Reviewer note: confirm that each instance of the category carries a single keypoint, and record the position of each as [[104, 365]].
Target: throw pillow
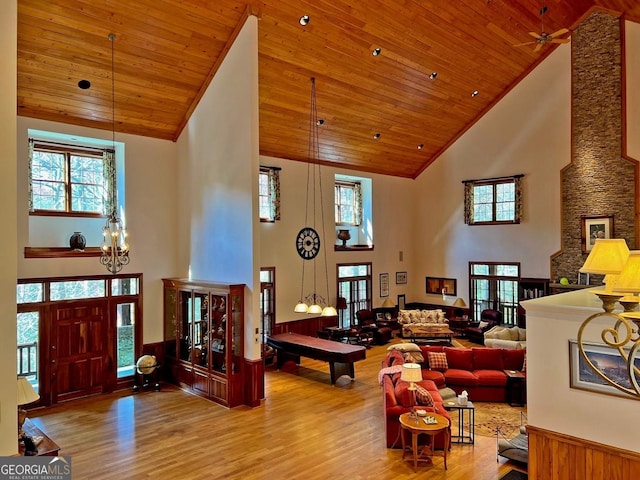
[[483, 324], [438, 361], [503, 334], [423, 397], [522, 335], [413, 357], [404, 347]]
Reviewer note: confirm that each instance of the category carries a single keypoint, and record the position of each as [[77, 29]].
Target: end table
[[516, 388], [467, 439], [416, 425]]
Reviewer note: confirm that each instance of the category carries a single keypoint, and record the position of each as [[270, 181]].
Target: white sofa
[[421, 318], [505, 337]]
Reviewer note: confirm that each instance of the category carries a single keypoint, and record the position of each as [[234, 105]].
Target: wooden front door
[[79, 350]]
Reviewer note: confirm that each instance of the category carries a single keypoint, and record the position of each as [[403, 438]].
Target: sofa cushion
[[461, 358], [522, 335], [413, 357], [487, 359], [435, 376], [513, 359], [491, 378], [437, 361], [503, 334], [423, 397], [403, 394], [454, 376], [404, 347]]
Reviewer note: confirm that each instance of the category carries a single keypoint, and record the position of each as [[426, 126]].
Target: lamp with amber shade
[[26, 395], [607, 257]]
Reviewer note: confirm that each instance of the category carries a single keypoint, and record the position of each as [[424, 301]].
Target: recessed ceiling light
[[376, 51], [376, 136], [319, 122], [475, 93], [84, 84], [304, 20], [421, 146], [433, 75]]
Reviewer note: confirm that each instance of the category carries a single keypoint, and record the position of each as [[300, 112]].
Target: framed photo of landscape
[[582, 376], [596, 227]]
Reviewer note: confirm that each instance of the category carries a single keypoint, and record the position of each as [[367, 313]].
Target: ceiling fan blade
[[538, 47], [523, 44], [559, 40], [562, 31], [534, 34]]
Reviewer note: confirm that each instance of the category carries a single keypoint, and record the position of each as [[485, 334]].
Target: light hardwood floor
[[305, 428]]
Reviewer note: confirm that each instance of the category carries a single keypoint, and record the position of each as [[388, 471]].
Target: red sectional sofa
[[479, 371]]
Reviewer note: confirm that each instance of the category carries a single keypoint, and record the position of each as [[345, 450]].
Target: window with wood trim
[[348, 203], [269, 194], [494, 286], [69, 179], [355, 286], [493, 201]]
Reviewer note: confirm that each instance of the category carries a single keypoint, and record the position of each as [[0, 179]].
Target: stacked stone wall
[[599, 181]]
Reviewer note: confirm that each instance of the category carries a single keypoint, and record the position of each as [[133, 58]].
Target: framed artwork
[[595, 227], [384, 284], [402, 301], [401, 278], [582, 376], [441, 286]]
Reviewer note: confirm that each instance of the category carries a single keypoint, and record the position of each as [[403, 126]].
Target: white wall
[[527, 132], [218, 178], [151, 212], [632, 70], [551, 403], [392, 233], [8, 273]]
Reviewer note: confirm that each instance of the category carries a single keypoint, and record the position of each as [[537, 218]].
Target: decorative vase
[[344, 235], [77, 242]]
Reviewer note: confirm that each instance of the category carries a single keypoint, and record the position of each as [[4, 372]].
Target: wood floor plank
[[305, 428]]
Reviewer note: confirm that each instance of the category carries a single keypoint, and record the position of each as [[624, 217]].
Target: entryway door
[[79, 361]]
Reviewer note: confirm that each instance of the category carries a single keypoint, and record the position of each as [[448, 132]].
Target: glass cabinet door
[[236, 333], [218, 333], [200, 329], [170, 322], [184, 335]]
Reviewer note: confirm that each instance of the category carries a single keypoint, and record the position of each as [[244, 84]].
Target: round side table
[[416, 426]]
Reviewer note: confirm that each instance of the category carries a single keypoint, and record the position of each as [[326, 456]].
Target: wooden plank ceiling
[[165, 52]]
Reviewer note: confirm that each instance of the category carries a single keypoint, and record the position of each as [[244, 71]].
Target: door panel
[[79, 350]]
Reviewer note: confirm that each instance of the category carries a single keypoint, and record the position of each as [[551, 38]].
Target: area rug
[[490, 416], [514, 475]]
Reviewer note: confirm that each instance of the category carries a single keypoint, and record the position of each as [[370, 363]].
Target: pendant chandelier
[[115, 249], [308, 241]]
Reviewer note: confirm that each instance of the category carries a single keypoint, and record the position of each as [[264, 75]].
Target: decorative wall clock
[[308, 243]]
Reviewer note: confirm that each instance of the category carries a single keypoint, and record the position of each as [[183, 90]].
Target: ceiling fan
[[543, 37]]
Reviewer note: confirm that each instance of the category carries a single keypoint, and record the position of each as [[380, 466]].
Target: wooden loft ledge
[[60, 252], [352, 248]]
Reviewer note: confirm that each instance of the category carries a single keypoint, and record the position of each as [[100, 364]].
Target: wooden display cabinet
[[529, 288], [204, 338]]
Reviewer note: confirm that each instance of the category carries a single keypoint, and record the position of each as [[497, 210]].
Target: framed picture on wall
[[384, 284], [444, 286], [401, 278], [583, 377], [402, 301], [596, 227]]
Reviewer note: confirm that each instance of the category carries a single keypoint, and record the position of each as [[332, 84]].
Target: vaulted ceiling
[[167, 51]]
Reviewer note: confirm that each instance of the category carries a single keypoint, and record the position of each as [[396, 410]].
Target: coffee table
[[430, 334], [416, 426]]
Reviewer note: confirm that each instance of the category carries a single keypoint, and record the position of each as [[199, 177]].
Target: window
[[71, 179], [354, 285], [269, 194], [267, 303], [495, 286], [348, 202], [493, 201]]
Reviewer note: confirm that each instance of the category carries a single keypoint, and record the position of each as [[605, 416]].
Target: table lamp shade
[[411, 372], [26, 393], [341, 304], [388, 303], [629, 278], [459, 303], [607, 256]]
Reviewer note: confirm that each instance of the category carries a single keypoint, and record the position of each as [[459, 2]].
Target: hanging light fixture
[[115, 249], [308, 241]]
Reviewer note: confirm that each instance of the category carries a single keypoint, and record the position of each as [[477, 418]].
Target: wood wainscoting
[[555, 456], [308, 326]]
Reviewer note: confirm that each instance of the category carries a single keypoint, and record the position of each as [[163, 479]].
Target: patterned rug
[[489, 416]]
